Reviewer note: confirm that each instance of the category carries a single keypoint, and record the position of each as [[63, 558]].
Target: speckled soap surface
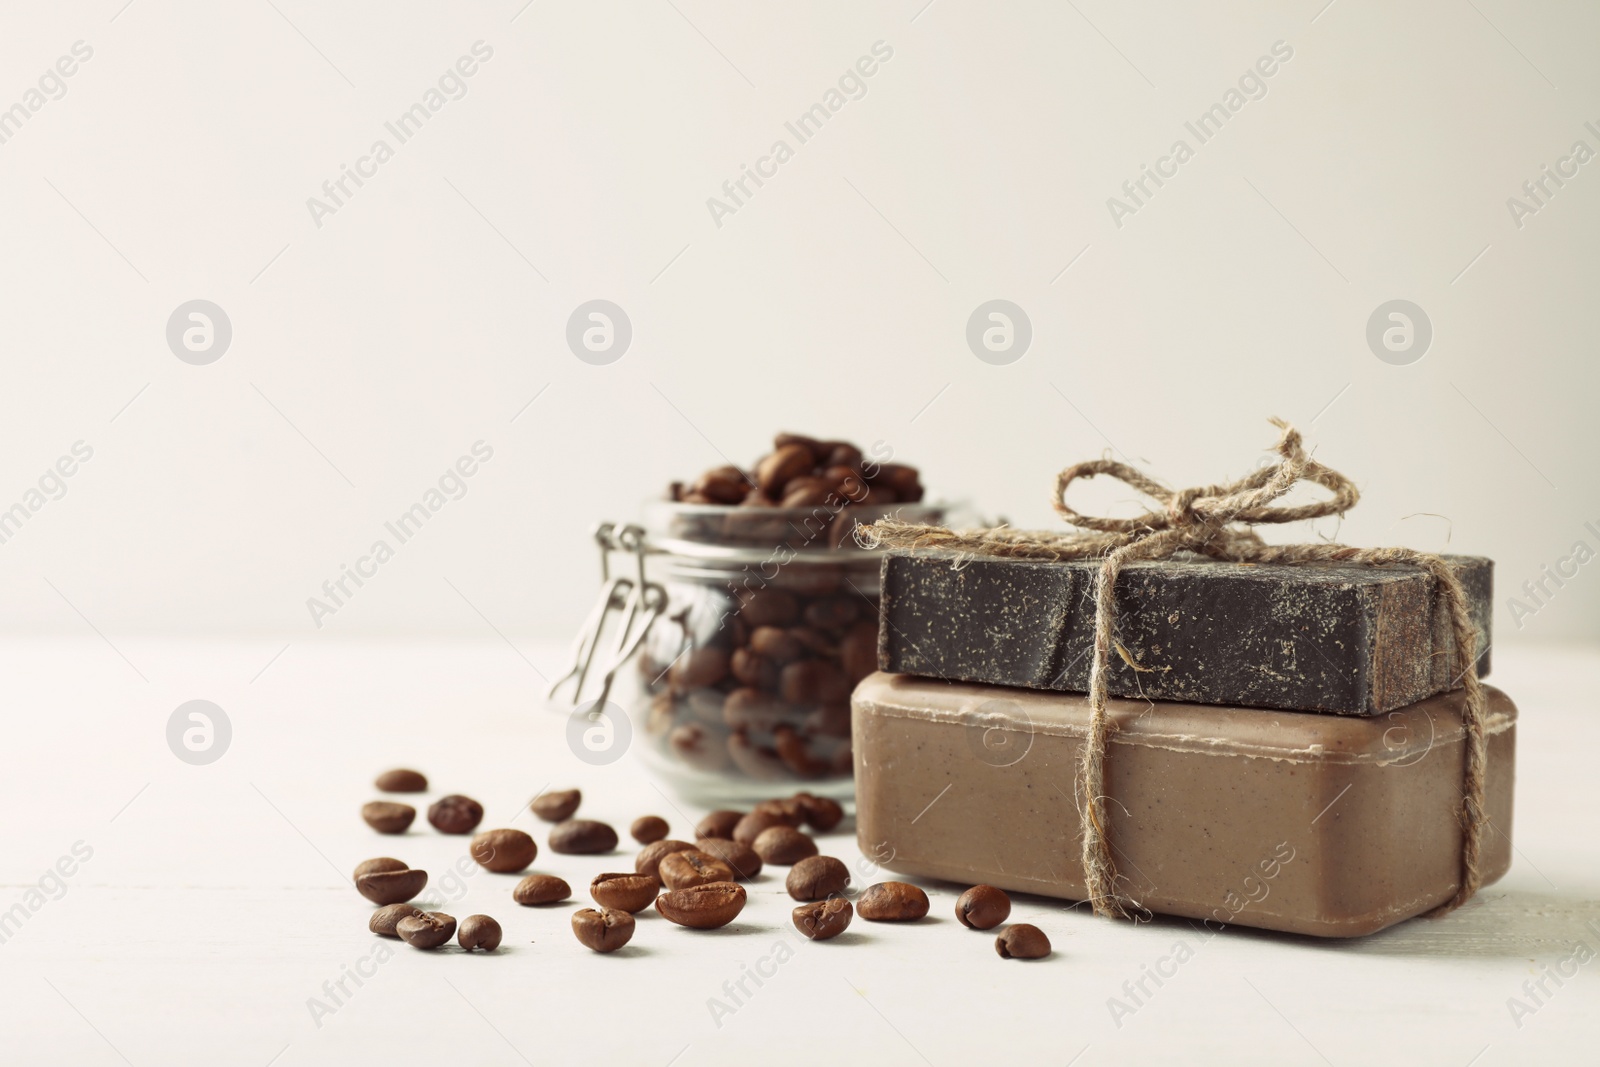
[[1346, 638], [1327, 825]]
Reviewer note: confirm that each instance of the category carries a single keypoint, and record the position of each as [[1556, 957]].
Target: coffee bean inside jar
[[771, 615]]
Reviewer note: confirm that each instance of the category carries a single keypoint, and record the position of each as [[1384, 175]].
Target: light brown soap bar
[[1312, 824]]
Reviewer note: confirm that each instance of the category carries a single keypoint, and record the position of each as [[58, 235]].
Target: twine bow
[[1215, 521]]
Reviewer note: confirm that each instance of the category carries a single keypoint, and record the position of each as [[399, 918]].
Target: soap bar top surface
[[1333, 826], [1344, 638]]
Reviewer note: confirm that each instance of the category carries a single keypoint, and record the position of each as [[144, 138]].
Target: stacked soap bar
[[1291, 755], [1336, 637]]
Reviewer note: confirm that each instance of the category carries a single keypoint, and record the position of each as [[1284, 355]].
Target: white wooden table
[[214, 903]]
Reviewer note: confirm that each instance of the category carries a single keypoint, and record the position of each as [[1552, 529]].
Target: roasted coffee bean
[[789, 808], [703, 907], [401, 780], [605, 930], [840, 454], [384, 919], [647, 829], [648, 861], [810, 444], [821, 813], [691, 867], [824, 919], [983, 907], [832, 613], [387, 817], [378, 865], [625, 892], [783, 845], [767, 607], [556, 806], [858, 652], [722, 485], [748, 828], [699, 667], [741, 857], [428, 930], [749, 708], [812, 681], [796, 754], [781, 464], [806, 491], [541, 889], [892, 902], [582, 837], [698, 747], [816, 877], [816, 641], [752, 668], [503, 851], [455, 814], [718, 824], [776, 644], [479, 931], [902, 480], [1022, 941], [388, 881]]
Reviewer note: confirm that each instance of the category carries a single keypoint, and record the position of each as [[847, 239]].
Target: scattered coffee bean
[[557, 806], [388, 881], [387, 817], [703, 907], [1022, 941], [401, 780], [824, 919], [648, 829], [648, 861], [817, 877], [751, 825], [541, 889], [625, 892], [428, 930], [691, 867], [384, 919], [788, 809], [582, 837], [892, 902], [455, 814], [503, 851], [821, 813], [479, 931], [983, 907], [605, 930], [378, 865], [742, 858], [718, 824], [783, 845]]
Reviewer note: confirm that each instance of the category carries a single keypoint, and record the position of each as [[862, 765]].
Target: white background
[[431, 308]]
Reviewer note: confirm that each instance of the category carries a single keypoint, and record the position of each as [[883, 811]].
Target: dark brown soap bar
[[1329, 825], [1333, 637]]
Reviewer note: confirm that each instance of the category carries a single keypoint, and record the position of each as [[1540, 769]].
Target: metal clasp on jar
[[635, 600]]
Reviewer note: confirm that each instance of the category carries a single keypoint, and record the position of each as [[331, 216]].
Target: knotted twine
[[1214, 521]]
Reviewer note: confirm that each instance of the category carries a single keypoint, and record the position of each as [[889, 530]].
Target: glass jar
[[741, 688]]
